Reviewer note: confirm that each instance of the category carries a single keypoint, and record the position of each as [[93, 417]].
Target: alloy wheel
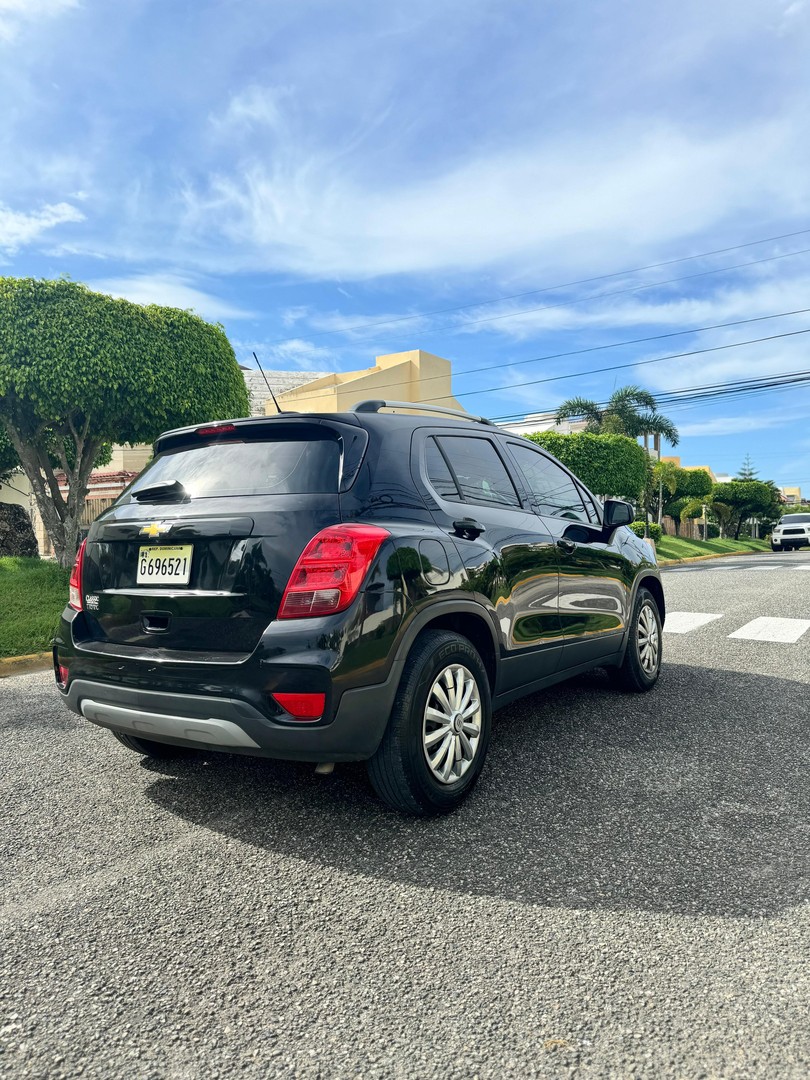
[[649, 639], [451, 728]]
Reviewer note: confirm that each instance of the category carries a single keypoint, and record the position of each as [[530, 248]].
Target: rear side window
[[438, 472], [477, 470], [284, 467], [554, 492]]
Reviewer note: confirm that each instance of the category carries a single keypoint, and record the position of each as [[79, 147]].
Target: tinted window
[[553, 490], [795, 519], [441, 479], [294, 466], [479, 471]]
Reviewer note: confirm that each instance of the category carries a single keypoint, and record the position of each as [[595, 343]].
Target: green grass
[[674, 547], [32, 595]]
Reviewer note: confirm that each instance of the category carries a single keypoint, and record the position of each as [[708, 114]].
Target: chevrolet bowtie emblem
[[156, 528]]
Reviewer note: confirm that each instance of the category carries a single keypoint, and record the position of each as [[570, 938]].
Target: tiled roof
[[280, 383]]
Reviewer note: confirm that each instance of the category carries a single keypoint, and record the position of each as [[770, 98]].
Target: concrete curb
[[705, 558], [24, 665]]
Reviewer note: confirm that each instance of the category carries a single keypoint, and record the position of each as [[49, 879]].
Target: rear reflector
[[62, 675], [75, 596], [329, 573], [302, 706]]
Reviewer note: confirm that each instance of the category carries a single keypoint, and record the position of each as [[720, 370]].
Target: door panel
[[595, 576], [595, 586], [509, 557]]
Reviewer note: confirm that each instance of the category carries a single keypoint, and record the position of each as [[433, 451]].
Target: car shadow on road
[[691, 800]]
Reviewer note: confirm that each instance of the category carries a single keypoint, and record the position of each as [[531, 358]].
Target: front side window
[[479, 474], [554, 492]]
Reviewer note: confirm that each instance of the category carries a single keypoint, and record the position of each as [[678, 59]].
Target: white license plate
[[166, 564]]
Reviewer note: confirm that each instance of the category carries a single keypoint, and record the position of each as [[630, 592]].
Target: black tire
[[633, 674], [776, 547], [399, 771], [149, 748]]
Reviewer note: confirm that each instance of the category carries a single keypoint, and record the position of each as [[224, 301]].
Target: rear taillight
[[329, 573], [75, 600]]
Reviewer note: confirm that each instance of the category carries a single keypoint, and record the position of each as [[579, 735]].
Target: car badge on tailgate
[[156, 528]]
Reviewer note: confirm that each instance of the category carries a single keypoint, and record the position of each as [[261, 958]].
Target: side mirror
[[617, 512]]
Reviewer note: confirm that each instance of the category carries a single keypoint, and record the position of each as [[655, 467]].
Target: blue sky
[[301, 171]]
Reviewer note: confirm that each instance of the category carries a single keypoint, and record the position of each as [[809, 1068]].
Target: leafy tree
[[747, 499], [664, 476], [718, 511], [79, 370], [689, 484], [8, 458], [630, 411], [607, 464]]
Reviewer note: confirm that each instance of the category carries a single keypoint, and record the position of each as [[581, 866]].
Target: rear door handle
[[468, 528], [568, 546]]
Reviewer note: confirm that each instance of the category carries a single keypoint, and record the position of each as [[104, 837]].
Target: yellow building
[[691, 468], [414, 375]]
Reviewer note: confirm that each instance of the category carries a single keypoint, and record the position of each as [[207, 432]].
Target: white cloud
[[551, 203], [170, 290], [296, 353], [761, 296], [15, 13], [256, 106], [18, 228], [734, 425]]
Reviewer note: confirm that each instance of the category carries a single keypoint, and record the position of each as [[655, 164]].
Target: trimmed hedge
[[654, 531], [607, 464]]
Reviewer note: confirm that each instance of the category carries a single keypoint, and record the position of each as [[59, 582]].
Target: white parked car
[[793, 531]]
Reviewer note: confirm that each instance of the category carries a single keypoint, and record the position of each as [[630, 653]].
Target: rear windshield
[[289, 467], [795, 519]]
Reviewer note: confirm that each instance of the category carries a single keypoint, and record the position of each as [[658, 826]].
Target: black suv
[[355, 586]]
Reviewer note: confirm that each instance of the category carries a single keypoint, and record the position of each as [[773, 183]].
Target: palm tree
[[630, 411]]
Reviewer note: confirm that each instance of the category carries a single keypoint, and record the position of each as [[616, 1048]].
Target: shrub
[[607, 464], [654, 530]]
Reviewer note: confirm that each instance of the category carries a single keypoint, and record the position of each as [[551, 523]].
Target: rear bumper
[[225, 701], [234, 725]]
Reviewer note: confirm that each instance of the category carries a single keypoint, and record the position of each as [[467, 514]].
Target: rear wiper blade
[[162, 491]]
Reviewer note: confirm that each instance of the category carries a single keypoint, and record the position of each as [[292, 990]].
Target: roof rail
[[375, 406]]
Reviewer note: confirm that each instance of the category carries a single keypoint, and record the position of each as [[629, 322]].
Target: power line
[[636, 363], [620, 292], [674, 399], [601, 348], [563, 285]]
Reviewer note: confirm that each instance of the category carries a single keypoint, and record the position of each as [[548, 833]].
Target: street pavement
[[625, 894]]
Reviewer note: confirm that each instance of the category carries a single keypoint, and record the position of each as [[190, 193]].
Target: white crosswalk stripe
[[763, 628], [681, 622], [767, 628]]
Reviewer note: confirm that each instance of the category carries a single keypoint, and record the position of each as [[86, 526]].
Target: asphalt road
[[626, 893]]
